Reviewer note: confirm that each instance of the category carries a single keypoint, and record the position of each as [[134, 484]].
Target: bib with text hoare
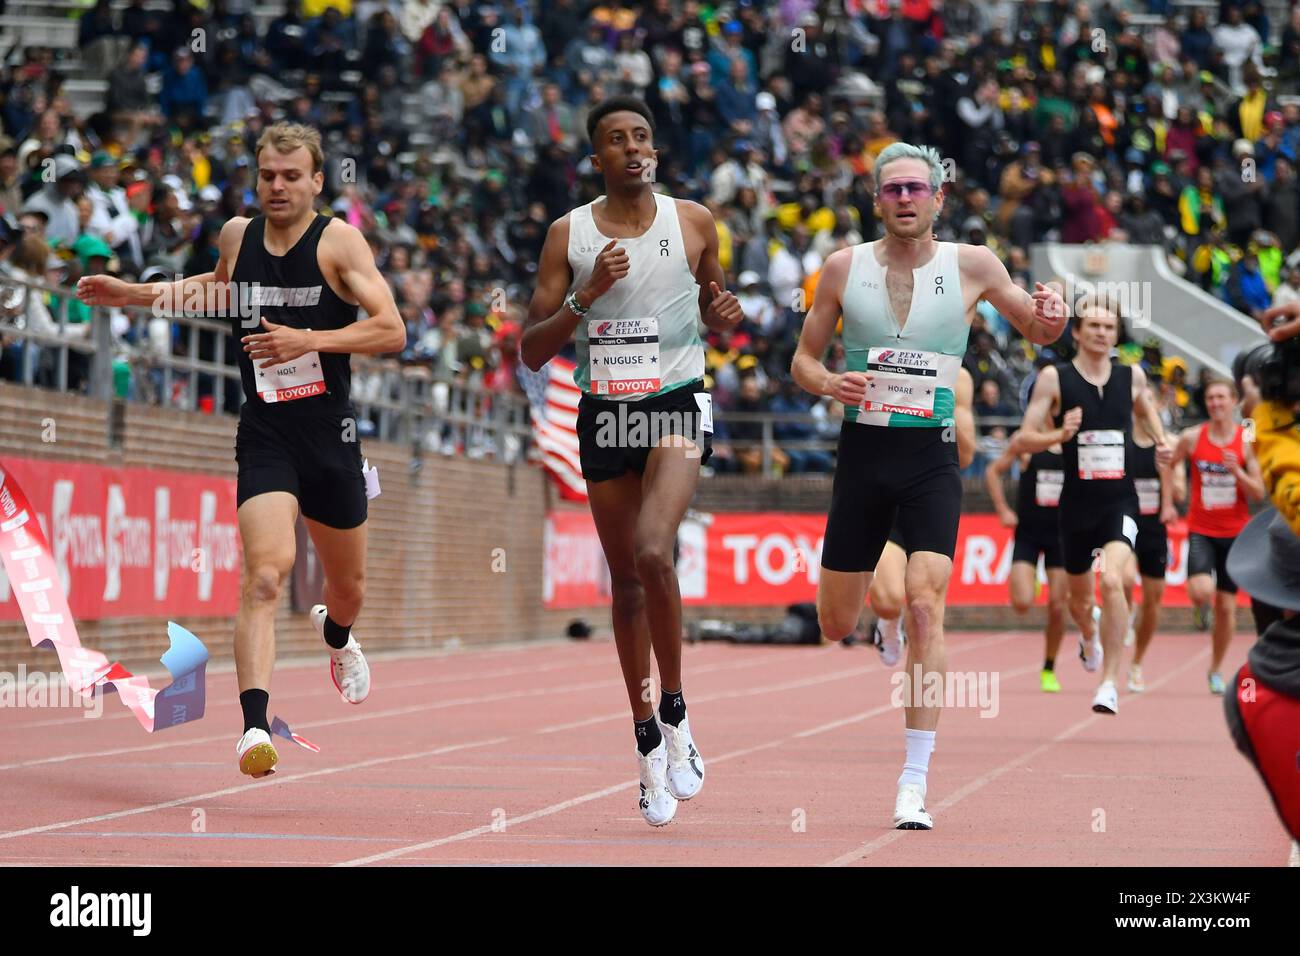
[[905, 381]]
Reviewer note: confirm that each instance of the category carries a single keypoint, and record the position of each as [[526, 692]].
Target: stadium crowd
[[455, 133]]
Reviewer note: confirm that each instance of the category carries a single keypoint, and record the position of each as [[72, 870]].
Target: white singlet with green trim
[[914, 372], [642, 337]]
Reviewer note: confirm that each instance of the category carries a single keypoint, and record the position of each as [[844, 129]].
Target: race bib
[[371, 476], [902, 381], [1047, 488], [1218, 490], [290, 381], [1148, 490], [624, 356], [1101, 454], [705, 401]]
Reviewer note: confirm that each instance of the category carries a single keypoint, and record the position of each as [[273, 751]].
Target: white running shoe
[[1136, 684], [888, 637], [1295, 854], [1091, 654], [909, 808], [658, 806], [685, 775], [257, 756], [348, 667], [1107, 699]]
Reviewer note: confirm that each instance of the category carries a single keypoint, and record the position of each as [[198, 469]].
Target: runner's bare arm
[[1168, 490], [807, 367], [1146, 411], [382, 330], [963, 414], [1251, 478], [1039, 317], [204, 293], [1182, 450], [1185, 443], [1178, 478], [709, 273], [993, 476], [550, 323], [1036, 431]]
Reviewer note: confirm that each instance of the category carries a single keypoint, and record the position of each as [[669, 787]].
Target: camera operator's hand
[[1282, 330]]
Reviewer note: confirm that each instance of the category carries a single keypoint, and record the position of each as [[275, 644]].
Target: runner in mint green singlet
[[907, 303]]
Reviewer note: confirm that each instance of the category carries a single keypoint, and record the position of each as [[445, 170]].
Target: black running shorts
[[1033, 540], [1206, 555], [885, 474], [1085, 531], [1152, 547], [315, 458], [616, 437]]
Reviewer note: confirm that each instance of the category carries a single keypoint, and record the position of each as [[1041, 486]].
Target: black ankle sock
[[1049, 664], [672, 707], [254, 704], [336, 635], [648, 735]]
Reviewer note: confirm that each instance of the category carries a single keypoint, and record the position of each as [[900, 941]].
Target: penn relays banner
[[133, 542], [774, 559]]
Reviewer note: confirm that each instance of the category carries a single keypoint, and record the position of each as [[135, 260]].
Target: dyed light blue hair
[[926, 154]]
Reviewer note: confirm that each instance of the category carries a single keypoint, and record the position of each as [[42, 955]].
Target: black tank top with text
[[290, 290], [1101, 444], [1039, 490], [1146, 480]]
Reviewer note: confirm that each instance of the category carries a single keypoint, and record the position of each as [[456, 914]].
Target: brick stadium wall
[[433, 531], [433, 535]]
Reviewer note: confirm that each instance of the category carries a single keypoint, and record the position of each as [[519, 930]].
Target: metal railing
[[185, 361]]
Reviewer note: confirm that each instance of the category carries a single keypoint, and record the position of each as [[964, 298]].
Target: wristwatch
[[572, 303]]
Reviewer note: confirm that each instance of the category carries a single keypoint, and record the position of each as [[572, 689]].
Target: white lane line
[[866, 849], [627, 785]]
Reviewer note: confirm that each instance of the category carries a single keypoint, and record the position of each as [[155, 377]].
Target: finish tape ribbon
[[44, 605], [36, 584]]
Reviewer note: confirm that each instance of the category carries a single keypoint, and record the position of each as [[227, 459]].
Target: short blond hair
[[1216, 382], [286, 137]]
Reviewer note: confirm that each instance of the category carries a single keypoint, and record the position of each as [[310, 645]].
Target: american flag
[[553, 405]]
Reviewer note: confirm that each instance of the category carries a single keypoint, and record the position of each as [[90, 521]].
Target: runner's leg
[[667, 487], [342, 553], [266, 527], [1058, 589], [1114, 608], [615, 507], [1153, 592], [1023, 576], [927, 589]]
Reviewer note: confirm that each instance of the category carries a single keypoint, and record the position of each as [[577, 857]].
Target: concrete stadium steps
[[1187, 320]]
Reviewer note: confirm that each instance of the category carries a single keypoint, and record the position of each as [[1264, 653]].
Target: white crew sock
[[889, 631], [920, 744]]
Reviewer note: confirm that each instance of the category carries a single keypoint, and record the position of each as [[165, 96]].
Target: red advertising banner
[[775, 559], [133, 542]]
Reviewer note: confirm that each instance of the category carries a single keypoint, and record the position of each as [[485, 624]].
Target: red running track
[[524, 756]]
